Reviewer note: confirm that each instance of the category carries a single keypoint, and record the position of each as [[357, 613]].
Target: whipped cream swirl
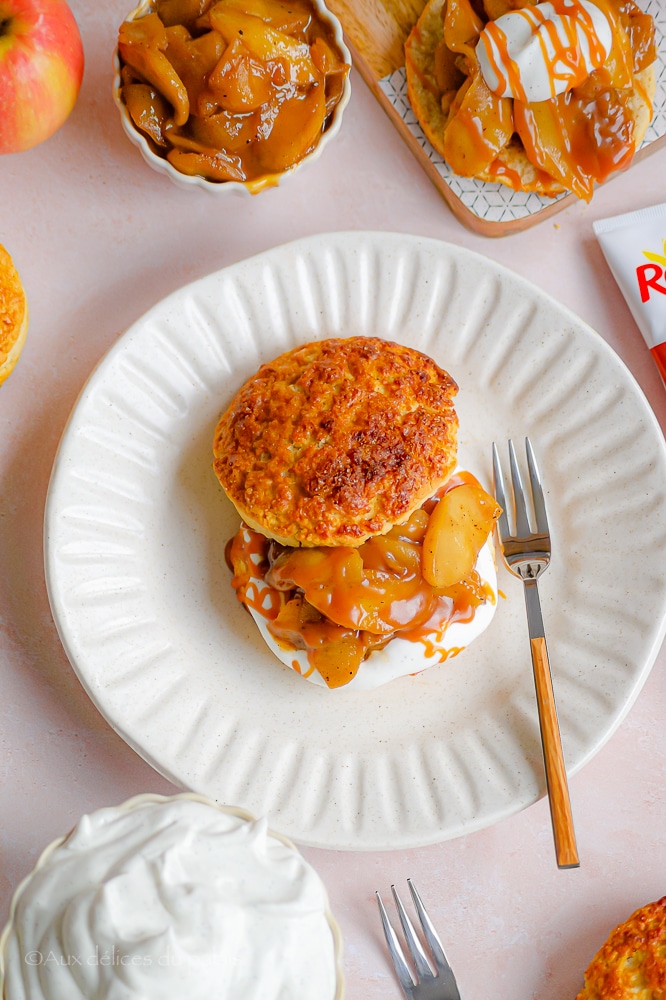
[[540, 51], [171, 899]]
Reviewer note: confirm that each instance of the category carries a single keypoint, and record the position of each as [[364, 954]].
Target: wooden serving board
[[376, 30]]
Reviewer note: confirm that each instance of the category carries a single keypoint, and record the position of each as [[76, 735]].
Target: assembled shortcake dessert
[[546, 97], [363, 552]]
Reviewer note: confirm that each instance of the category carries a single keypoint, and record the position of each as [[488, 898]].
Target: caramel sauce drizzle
[[561, 52], [391, 596], [499, 168]]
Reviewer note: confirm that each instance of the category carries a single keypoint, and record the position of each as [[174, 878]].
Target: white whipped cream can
[[634, 245]]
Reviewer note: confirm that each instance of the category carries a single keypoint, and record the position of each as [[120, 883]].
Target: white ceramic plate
[[136, 526]]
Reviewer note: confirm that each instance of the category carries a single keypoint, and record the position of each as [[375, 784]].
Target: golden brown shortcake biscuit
[[631, 964], [436, 85], [13, 315], [337, 440]]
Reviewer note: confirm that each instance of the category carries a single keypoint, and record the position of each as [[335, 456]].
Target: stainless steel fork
[[432, 979], [527, 554]]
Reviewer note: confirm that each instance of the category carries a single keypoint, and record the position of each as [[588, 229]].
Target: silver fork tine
[[435, 945], [413, 943], [523, 526], [503, 523], [432, 977], [401, 967], [537, 490]]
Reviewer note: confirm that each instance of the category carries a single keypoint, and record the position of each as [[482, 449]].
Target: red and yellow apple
[[41, 68]]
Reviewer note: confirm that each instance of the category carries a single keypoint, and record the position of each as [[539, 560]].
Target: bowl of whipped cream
[[169, 897]]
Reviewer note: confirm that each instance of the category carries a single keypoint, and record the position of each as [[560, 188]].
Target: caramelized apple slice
[[479, 126], [334, 86], [148, 110], [462, 27], [458, 529], [240, 83], [334, 651], [642, 38], [180, 11], [216, 166], [619, 64], [295, 129], [377, 587], [325, 59], [412, 530], [333, 68], [292, 618], [579, 137], [496, 8], [193, 58], [447, 72], [542, 132], [233, 133], [142, 44], [265, 43], [291, 17]]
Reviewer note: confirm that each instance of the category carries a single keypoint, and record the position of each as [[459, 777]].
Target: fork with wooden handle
[[527, 555]]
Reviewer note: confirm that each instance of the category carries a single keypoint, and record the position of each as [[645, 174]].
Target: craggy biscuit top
[[631, 965], [13, 315], [12, 304], [337, 440]]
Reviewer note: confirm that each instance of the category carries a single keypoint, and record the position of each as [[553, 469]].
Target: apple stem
[[4, 26]]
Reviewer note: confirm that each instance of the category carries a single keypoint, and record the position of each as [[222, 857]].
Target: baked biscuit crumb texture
[[13, 315], [337, 440], [631, 965]]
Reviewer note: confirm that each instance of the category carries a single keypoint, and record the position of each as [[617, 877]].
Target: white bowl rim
[[162, 165]]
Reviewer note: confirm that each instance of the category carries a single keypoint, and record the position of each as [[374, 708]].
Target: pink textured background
[[99, 238]]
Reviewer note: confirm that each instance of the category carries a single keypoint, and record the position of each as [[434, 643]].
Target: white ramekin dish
[[254, 186]]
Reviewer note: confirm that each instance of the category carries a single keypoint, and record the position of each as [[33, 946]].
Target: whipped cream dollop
[[171, 900], [400, 657], [538, 52]]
